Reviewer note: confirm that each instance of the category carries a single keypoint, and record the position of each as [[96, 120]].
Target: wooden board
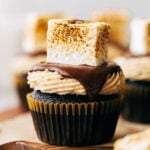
[[24, 145], [8, 114]]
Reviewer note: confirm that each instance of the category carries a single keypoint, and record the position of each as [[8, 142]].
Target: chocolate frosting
[[92, 78]]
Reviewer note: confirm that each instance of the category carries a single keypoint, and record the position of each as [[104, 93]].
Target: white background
[[12, 15]]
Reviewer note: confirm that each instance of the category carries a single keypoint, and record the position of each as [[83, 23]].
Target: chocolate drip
[[34, 54], [92, 78]]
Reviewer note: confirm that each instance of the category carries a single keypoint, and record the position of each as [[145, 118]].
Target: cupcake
[[137, 73], [77, 93], [34, 50], [119, 33]]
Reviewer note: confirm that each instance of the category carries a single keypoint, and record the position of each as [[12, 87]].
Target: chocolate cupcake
[[137, 72], [77, 93], [34, 50], [137, 89], [119, 33]]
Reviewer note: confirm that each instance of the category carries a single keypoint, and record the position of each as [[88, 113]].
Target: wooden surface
[[20, 128], [24, 145], [8, 114]]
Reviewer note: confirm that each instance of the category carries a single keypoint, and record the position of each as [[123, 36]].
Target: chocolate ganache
[[92, 78], [34, 54]]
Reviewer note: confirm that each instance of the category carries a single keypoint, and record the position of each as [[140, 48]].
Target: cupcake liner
[[74, 124], [22, 88], [136, 106]]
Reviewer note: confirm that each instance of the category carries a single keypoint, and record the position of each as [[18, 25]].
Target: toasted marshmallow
[[77, 42], [119, 21], [136, 141], [35, 33], [140, 37]]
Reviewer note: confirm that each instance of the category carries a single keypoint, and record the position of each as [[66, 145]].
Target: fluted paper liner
[[136, 106], [74, 124]]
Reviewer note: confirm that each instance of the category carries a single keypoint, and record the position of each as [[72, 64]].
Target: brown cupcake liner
[[74, 124], [22, 88], [136, 105]]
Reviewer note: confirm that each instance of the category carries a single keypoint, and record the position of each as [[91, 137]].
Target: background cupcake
[[77, 94], [136, 68], [34, 50], [119, 32]]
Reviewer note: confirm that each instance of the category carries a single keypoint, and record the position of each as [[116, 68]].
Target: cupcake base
[[136, 106], [75, 123], [22, 88]]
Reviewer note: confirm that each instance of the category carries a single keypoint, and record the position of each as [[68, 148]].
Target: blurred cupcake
[[34, 50], [136, 68], [119, 33], [77, 94]]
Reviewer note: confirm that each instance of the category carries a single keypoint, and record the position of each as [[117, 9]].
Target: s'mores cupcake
[[77, 93], [34, 50], [119, 34], [136, 67]]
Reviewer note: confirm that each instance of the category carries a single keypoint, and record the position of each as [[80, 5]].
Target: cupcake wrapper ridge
[[136, 105], [74, 124]]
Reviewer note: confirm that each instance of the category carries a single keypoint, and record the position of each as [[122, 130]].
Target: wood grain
[[24, 145], [8, 146]]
